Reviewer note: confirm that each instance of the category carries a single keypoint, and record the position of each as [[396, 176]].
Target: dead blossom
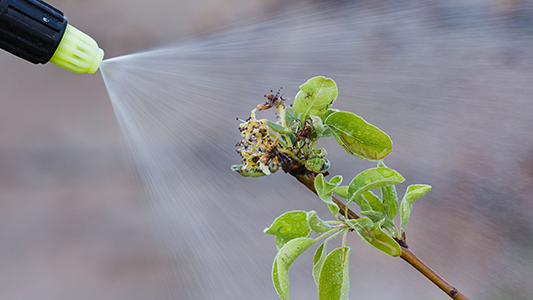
[[258, 148]]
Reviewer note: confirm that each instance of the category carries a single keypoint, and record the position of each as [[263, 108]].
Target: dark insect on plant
[[291, 142]]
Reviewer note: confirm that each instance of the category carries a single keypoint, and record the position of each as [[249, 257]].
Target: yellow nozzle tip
[[78, 52], [97, 61]]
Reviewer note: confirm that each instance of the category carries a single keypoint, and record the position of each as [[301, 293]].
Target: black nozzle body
[[31, 29]]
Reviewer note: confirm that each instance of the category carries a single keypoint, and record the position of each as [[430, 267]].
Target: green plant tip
[[78, 52]]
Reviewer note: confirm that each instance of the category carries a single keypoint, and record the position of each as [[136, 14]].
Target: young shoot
[[290, 143]]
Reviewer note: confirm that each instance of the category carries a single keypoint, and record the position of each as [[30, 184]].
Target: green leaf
[[342, 191], [358, 137], [334, 280], [292, 138], [373, 235], [281, 287], [321, 152], [325, 190], [373, 215], [316, 224], [373, 201], [361, 202], [285, 257], [289, 115], [278, 128], [390, 201], [372, 179], [377, 217], [315, 96], [327, 131], [413, 192], [324, 115], [252, 172], [318, 125], [288, 226], [390, 198], [318, 260], [317, 164]]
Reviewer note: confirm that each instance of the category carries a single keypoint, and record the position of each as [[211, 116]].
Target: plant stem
[[292, 156], [414, 261], [344, 238], [335, 234], [326, 234], [281, 110], [309, 181]]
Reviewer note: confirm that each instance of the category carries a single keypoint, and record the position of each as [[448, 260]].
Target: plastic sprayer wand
[[39, 33]]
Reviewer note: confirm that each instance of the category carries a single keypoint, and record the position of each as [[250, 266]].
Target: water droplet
[[46, 19], [387, 172]]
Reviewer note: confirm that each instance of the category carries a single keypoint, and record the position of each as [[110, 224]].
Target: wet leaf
[[373, 201], [390, 198], [317, 164], [292, 138], [371, 179], [358, 137], [319, 152], [288, 226], [377, 217], [318, 125], [278, 128], [334, 280], [373, 235], [361, 202], [252, 172], [280, 288], [390, 201], [285, 257], [413, 192], [289, 115], [315, 97], [316, 224], [327, 131], [324, 115], [342, 191], [325, 190], [318, 260]]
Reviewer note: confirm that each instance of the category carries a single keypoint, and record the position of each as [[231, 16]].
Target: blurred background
[[449, 82]]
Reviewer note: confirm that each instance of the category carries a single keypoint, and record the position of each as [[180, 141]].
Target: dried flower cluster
[[258, 148]]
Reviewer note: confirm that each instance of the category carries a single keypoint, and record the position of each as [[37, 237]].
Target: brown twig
[[414, 261], [309, 181]]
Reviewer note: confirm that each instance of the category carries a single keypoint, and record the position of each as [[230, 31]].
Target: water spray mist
[[39, 33]]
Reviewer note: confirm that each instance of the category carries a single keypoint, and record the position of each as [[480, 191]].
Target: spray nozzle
[[77, 52], [38, 32]]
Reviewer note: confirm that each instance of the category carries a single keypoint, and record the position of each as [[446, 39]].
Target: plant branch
[[414, 261], [309, 181]]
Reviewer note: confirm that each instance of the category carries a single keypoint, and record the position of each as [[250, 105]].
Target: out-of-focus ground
[[73, 226]]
